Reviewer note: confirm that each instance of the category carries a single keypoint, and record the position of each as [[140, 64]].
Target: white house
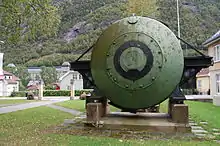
[[64, 76], [61, 70], [2, 81], [8, 81], [64, 81], [213, 45]]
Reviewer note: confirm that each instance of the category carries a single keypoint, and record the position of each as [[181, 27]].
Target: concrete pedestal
[[41, 91], [72, 90], [94, 112], [149, 122], [179, 113], [216, 100], [175, 121]]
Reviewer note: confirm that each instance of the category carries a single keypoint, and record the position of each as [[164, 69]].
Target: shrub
[[50, 93], [56, 93], [64, 92], [50, 87], [190, 91], [18, 94]]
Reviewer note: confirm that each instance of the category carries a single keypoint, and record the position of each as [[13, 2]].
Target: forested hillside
[[82, 21]]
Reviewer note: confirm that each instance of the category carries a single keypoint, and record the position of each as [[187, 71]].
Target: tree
[[27, 19], [198, 19], [142, 7], [21, 72], [48, 75]]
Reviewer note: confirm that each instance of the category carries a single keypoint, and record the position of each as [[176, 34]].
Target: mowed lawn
[[205, 112], [201, 112], [198, 111], [15, 101], [80, 105], [28, 127]]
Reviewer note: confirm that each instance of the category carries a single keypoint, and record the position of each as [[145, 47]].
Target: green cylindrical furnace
[[137, 62]]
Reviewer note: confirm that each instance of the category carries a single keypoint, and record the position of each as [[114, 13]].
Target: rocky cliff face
[[83, 21]]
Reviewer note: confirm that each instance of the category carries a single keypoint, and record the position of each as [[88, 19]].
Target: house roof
[[10, 81], [66, 74], [38, 69], [203, 72], [11, 65], [2, 77], [7, 73], [214, 38], [66, 64], [32, 87], [33, 83]]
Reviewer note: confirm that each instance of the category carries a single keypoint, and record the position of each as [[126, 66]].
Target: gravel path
[[71, 111], [13, 108], [3, 105]]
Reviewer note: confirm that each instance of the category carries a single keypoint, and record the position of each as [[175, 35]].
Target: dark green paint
[[158, 83]]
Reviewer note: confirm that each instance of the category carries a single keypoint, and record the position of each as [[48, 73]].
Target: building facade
[[64, 81], [8, 81], [203, 81], [213, 45], [64, 76]]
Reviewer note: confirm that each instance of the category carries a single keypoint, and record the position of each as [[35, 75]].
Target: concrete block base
[[180, 113], [150, 122], [216, 100], [94, 112]]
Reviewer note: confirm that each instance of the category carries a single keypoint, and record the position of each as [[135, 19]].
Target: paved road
[[44, 98], [18, 107], [50, 100], [71, 111], [12, 98], [192, 97]]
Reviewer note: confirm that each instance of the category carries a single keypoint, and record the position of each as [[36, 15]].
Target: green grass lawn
[[80, 105], [201, 112], [15, 101], [164, 107], [28, 127], [198, 111]]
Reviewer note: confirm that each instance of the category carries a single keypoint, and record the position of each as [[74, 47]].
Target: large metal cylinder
[[137, 62]]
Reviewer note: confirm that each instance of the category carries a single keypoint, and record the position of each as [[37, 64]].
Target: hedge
[[18, 94], [190, 91], [51, 93]]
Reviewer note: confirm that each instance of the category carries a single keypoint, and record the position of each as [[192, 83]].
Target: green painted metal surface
[[137, 62]]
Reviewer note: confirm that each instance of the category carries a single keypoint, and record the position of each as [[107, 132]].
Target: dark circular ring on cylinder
[[133, 74]]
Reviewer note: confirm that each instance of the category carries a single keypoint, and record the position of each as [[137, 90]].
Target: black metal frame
[[192, 65]]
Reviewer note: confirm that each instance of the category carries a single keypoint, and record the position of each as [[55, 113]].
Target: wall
[[1, 88], [1, 63], [216, 65], [78, 84], [215, 69], [213, 88], [205, 85], [65, 82], [1, 73], [11, 88]]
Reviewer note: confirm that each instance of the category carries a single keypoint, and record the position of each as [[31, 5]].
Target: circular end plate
[[137, 65]]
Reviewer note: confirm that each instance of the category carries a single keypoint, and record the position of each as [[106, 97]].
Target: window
[[75, 76], [217, 53], [199, 83], [80, 76], [218, 83], [7, 77]]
